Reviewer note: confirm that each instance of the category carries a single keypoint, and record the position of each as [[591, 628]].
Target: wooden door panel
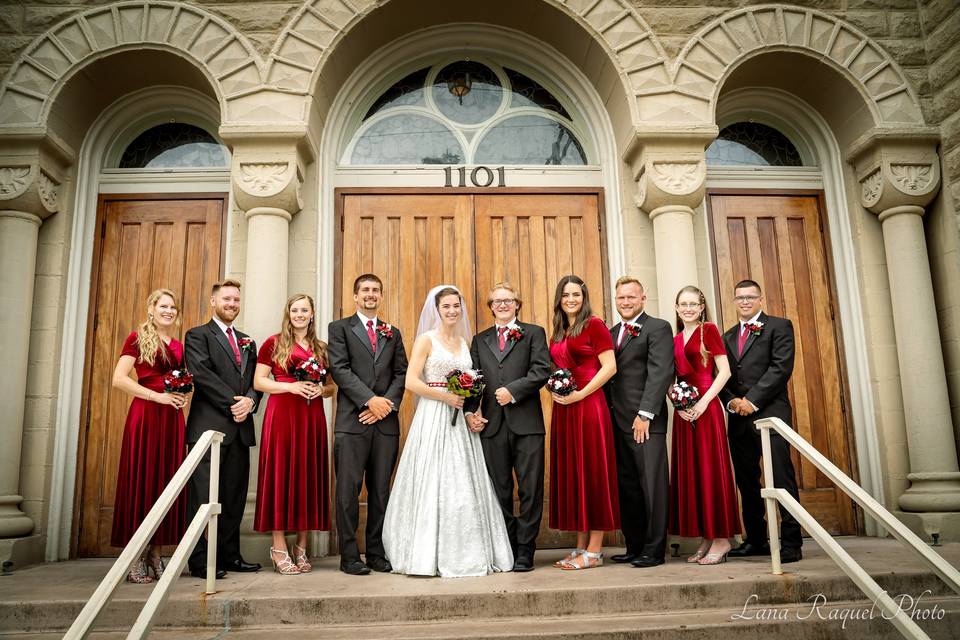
[[778, 241], [146, 244]]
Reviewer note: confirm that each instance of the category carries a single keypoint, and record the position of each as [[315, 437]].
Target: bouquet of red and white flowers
[[177, 381], [561, 382], [684, 397], [465, 382], [310, 370]]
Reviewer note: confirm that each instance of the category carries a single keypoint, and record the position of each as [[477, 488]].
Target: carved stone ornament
[[49, 190], [13, 181], [641, 194], [872, 186], [264, 178], [677, 178], [913, 178]]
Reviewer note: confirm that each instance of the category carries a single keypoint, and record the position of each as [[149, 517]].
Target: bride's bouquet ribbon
[[467, 383]]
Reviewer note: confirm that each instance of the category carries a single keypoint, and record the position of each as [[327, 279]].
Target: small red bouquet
[[514, 334], [178, 381], [561, 382], [465, 382], [310, 370], [684, 397]]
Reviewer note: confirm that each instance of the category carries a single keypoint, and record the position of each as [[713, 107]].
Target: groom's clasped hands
[[377, 409]]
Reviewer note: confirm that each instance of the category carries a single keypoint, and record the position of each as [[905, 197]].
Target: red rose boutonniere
[[754, 327], [385, 331], [245, 344], [514, 334], [633, 329]]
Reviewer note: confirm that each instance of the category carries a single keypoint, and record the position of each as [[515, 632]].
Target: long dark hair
[[561, 326], [704, 317]]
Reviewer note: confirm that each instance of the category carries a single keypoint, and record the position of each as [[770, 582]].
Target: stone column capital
[[267, 173], [896, 168], [669, 166], [33, 168]]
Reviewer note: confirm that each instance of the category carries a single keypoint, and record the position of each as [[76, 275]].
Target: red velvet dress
[[292, 485], [583, 468], [703, 496], [152, 450]]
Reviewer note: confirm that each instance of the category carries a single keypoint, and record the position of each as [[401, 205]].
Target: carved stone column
[[670, 172], [29, 186], [899, 175]]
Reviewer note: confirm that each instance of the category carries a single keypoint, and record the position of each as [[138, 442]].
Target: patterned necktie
[[742, 340], [372, 335], [233, 345], [502, 339]]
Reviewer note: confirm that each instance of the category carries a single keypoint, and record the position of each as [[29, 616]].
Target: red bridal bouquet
[[178, 381], [465, 382], [561, 382], [310, 370], [683, 397]]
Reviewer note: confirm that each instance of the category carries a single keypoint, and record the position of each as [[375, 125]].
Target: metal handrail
[[903, 623], [206, 517]]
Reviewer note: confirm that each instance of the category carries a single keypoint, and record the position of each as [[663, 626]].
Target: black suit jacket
[[762, 372], [645, 371], [216, 380], [360, 374], [522, 368]]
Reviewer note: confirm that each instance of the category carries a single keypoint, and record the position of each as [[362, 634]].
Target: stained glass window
[[752, 144], [174, 145], [407, 139], [529, 140]]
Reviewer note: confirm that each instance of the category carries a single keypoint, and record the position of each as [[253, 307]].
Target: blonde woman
[[292, 484], [153, 445]]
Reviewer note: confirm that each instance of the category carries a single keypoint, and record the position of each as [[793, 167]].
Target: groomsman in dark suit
[[637, 399], [368, 363], [515, 362], [761, 352], [222, 361]]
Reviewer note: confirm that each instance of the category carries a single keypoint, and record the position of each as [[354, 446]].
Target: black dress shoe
[[523, 564], [379, 564], [202, 573], [790, 554], [624, 557], [647, 561], [240, 566], [749, 549], [355, 568]]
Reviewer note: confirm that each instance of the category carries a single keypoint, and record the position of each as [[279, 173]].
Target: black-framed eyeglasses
[[503, 302], [746, 298]]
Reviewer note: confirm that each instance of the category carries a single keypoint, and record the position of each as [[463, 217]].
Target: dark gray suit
[[645, 370], [761, 374], [358, 449], [513, 439], [216, 380]]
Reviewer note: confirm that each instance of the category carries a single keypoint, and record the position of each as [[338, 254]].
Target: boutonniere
[[632, 329], [514, 334], [385, 331], [245, 344], [753, 327]]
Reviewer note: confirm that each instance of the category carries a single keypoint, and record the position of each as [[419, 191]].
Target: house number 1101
[[479, 177]]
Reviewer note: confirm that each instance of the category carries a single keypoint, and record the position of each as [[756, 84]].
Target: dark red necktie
[[742, 340], [502, 339], [623, 334], [372, 335], [233, 345]]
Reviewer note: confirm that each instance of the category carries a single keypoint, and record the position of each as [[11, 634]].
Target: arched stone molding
[[31, 86], [709, 57], [297, 60]]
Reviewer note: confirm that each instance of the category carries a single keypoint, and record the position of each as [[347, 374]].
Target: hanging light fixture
[[460, 85]]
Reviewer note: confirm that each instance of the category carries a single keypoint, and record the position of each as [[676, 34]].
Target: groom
[[368, 363], [515, 362]]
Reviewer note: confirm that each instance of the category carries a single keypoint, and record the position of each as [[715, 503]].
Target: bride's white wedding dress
[[443, 517]]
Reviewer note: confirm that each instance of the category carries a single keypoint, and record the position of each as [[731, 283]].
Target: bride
[[443, 517]]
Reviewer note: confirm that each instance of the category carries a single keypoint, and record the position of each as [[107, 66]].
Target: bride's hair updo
[[443, 293]]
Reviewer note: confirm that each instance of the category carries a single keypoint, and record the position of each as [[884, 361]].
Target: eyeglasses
[[746, 298], [504, 302], [689, 305]]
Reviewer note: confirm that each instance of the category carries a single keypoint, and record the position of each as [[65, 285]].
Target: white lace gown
[[443, 517]]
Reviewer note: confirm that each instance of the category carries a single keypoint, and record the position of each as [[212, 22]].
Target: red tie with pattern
[[372, 335], [502, 339], [742, 340], [233, 345]]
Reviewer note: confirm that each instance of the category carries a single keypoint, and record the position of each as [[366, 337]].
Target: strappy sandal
[[559, 564], [702, 551], [138, 573], [300, 555], [586, 560], [284, 566]]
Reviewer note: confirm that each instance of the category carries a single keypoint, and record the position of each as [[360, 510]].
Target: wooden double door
[[144, 242], [415, 241]]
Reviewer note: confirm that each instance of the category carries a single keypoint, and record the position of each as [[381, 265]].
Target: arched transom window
[[174, 145], [753, 144], [467, 112]]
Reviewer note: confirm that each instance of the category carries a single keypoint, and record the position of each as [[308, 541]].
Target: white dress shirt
[[744, 323]]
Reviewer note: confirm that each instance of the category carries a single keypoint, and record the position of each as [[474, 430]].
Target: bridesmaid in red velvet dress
[[703, 496], [292, 485], [583, 471], [153, 445]]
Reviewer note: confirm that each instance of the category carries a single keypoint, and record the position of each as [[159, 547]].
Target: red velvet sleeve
[[599, 335], [130, 347], [712, 340], [265, 355]]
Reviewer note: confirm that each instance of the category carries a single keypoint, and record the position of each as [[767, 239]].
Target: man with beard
[[222, 361]]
